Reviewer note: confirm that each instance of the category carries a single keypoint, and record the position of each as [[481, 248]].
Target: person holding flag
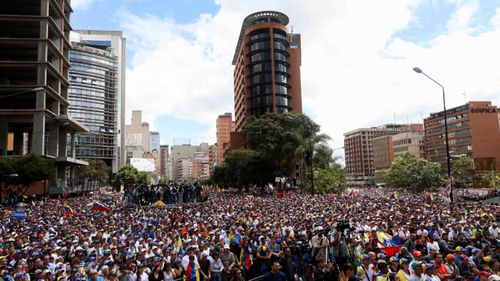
[[68, 210], [96, 206], [192, 270]]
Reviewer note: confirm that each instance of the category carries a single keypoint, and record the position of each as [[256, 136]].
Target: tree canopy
[[24, 171], [97, 170], [492, 179], [129, 175], [329, 179], [462, 172], [415, 174], [277, 143]]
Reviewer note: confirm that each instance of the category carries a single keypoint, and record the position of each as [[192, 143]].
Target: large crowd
[[366, 235], [172, 193]]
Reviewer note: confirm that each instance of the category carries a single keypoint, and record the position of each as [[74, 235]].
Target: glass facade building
[[267, 67], [93, 99]]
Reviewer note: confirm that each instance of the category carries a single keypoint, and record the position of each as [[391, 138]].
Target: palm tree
[[311, 148]]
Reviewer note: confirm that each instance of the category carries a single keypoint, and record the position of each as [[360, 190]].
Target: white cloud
[[81, 4], [354, 73], [460, 20]]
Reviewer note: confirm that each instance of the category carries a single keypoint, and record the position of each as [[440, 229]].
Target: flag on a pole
[[178, 246], [447, 191], [429, 197], [394, 196], [96, 206], [68, 210]]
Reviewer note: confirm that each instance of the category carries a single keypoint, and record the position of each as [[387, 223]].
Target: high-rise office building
[[114, 42], [136, 137], [184, 156], [387, 147], [154, 142], [473, 130], [164, 156], [267, 68], [359, 151], [34, 67], [93, 98], [223, 128], [411, 142]]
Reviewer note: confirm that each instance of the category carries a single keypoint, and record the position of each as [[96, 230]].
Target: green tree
[[329, 179], [462, 172], [30, 169], [144, 178], [97, 170], [164, 180], [281, 138], [219, 175], [127, 176], [244, 167], [323, 156], [6, 169], [414, 174], [492, 179]]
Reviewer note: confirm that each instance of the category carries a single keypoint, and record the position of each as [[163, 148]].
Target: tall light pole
[[337, 149], [448, 160]]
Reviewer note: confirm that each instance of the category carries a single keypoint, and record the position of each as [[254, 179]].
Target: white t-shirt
[[434, 245], [421, 232]]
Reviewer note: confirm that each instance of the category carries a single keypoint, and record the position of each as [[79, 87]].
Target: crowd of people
[[364, 235], [172, 193]]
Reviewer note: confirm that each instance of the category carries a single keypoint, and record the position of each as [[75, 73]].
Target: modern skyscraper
[[267, 68], [93, 98], [34, 66], [223, 127], [114, 42]]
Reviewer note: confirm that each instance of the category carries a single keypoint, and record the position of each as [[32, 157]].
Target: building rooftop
[[258, 17]]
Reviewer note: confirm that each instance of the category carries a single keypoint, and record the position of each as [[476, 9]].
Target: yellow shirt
[[403, 276]]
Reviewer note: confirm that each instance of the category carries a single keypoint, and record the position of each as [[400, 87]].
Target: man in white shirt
[[432, 245]]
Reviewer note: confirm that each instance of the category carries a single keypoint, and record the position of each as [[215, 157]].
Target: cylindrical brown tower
[[267, 67]]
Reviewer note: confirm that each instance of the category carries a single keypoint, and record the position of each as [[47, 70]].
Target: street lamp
[[337, 149], [418, 70]]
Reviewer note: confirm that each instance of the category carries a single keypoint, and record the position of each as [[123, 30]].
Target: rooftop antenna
[[465, 96]]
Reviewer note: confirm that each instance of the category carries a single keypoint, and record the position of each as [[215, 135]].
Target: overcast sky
[[357, 58]]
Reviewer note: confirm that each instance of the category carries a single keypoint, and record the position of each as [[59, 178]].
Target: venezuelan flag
[[394, 196], [96, 206], [178, 246], [68, 210]]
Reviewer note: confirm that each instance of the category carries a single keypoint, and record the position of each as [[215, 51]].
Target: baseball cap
[[415, 264], [430, 266], [450, 257]]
